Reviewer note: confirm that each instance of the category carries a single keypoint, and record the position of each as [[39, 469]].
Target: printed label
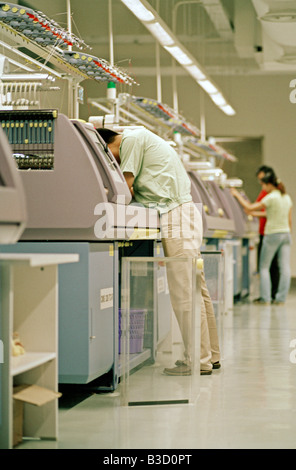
[[106, 298]]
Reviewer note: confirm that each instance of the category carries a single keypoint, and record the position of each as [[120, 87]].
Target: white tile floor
[[249, 403]]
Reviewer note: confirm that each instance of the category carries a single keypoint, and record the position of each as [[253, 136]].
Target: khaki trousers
[[180, 283]]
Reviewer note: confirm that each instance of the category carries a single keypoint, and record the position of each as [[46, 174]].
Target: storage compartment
[[32, 395]]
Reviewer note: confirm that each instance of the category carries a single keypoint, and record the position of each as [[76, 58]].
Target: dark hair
[[107, 134], [271, 178], [264, 169]]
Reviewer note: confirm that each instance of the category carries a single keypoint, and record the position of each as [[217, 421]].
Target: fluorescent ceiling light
[[208, 86], [195, 72], [218, 99], [228, 110], [179, 55], [138, 9], [159, 29], [160, 33]]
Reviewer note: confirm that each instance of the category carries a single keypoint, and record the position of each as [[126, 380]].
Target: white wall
[[263, 109]]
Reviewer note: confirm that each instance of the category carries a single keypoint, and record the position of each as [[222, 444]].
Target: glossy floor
[[249, 403]]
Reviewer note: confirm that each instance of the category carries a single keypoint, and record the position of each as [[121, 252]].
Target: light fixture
[[228, 110], [160, 33], [179, 55], [208, 86], [158, 28], [218, 99], [281, 16], [138, 9], [195, 72]]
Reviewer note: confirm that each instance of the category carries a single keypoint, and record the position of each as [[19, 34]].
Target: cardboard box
[[32, 394]]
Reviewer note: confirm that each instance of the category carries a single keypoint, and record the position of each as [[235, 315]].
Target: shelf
[[29, 304], [38, 259], [29, 361]]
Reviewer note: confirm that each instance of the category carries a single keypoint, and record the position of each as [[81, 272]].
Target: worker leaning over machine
[[157, 179]]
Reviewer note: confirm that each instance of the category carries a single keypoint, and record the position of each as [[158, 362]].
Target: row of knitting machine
[[65, 193], [78, 202]]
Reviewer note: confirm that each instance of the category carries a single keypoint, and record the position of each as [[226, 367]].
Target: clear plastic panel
[[213, 262], [159, 331], [227, 248]]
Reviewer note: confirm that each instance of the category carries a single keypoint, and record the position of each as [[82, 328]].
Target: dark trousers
[[274, 269]]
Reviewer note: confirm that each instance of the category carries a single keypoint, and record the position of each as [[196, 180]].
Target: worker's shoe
[[180, 363], [206, 372], [216, 365], [179, 370]]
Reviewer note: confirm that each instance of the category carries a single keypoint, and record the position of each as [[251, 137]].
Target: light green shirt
[[277, 206], [161, 180]]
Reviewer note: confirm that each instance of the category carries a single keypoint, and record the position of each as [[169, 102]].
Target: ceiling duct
[[219, 18], [246, 29]]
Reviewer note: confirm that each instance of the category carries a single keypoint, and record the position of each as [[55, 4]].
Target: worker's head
[[270, 182], [112, 139], [262, 171]]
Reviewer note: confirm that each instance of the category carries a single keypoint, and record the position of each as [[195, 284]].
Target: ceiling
[[227, 37]]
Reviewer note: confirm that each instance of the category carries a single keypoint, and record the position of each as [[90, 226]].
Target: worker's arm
[[249, 206], [257, 213], [129, 178], [290, 219]]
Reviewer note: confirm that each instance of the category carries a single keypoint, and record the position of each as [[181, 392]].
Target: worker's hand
[[234, 192]]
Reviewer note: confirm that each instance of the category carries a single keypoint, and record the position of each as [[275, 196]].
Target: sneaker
[[179, 370], [216, 365], [206, 372], [278, 302]]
